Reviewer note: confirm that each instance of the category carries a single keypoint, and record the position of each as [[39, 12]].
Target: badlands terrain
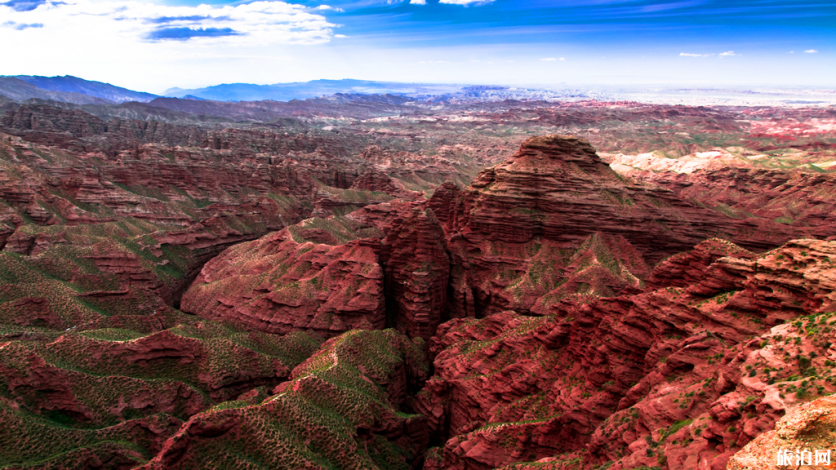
[[379, 281]]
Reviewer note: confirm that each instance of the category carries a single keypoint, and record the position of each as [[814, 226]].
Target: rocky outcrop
[[375, 180], [557, 188], [444, 200], [802, 437], [285, 282], [417, 268], [802, 200], [679, 377], [687, 268]]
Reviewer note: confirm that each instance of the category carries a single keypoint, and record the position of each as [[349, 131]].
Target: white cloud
[[20, 26], [461, 2], [792, 52], [548, 59], [811, 51], [727, 54], [434, 62], [418, 2], [686, 54], [83, 24], [340, 36]]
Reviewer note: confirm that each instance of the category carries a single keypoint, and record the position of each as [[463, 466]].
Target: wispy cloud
[[549, 59], [671, 6], [460, 2], [184, 19], [727, 54], [418, 2], [687, 54], [183, 34], [21, 26], [811, 51]]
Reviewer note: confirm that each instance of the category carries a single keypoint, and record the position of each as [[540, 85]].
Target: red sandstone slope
[[302, 277], [677, 377], [342, 409], [806, 201]]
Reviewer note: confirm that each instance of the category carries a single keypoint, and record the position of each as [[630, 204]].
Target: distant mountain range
[[20, 90], [69, 84], [311, 89], [78, 91]]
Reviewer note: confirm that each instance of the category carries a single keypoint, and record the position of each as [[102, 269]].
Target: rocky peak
[[443, 200], [557, 146]]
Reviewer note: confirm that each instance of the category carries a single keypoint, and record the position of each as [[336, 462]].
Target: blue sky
[[155, 45]]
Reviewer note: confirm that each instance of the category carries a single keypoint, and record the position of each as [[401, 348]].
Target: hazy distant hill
[[359, 106], [305, 90], [20, 90], [69, 84]]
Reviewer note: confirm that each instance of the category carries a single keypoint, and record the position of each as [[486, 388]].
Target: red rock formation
[[553, 186], [382, 216], [376, 180], [417, 268], [444, 200], [685, 269], [548, 198], [284, 282], [803, 200], [106, 395], [670, 378], [43, 388], [797, 437]]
